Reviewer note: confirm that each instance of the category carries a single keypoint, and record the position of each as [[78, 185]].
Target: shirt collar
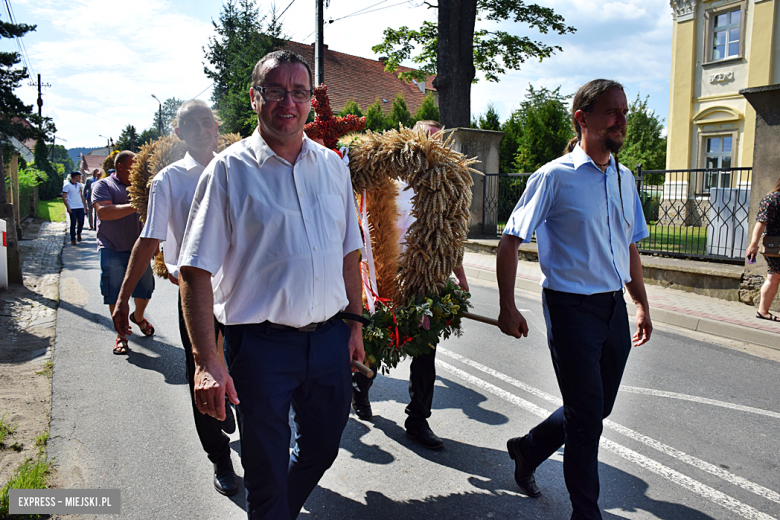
[[263, 152], [190, 162], [579, 158]]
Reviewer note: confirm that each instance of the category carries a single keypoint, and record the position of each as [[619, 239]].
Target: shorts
[[113, 265], [774, 264]]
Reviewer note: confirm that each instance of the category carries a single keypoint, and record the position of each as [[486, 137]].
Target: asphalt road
[[693, 434]]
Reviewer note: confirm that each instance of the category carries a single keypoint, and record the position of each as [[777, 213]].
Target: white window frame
[[710, 16], [703, 137]]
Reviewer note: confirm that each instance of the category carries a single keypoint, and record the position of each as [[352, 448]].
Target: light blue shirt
[[581, 233]]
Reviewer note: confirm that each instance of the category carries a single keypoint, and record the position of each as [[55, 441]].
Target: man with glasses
[[170, 197], [276, 213]]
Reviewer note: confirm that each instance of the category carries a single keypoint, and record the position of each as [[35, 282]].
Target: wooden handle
[[478, 317], [363, 369]]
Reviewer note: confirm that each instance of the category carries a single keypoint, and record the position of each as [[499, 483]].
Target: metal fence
[[696, 213], [700, 214]]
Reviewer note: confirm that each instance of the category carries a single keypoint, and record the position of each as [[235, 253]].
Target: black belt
[[311, 327]]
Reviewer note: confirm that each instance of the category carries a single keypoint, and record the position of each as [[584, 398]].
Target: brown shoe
[[78, 238], [73, 242]]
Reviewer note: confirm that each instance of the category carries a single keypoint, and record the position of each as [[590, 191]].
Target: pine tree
[[428, 110]]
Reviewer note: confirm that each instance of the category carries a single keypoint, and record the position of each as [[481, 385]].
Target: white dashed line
[[711, 494]]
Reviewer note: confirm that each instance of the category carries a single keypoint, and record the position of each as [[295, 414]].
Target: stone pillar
[[482, 144], [766, 158]]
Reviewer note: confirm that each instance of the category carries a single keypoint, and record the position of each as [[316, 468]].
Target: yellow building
[[719, 47]]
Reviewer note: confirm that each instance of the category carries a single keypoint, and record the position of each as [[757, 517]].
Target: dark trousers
[[422, 376], [273, 369], [76, 218], [589, 341], [91, 216], [215, 443]]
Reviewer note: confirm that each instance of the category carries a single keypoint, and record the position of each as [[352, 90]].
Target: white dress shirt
[[170, 198], [405, 218], [278, 231]]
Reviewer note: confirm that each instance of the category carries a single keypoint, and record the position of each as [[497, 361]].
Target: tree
[[243, 37], [128, 140], [59, 155], [428, 110], [14, 114], [489, 121], [376, 120], [644, 144], [51, 187], [169, 108], [399, 114], [453, 51], [545, 128], [351, 108]]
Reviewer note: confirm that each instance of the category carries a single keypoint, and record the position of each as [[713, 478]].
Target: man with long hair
[[587, 216]]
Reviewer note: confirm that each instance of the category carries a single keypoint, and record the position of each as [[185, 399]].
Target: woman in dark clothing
[[767, 223]]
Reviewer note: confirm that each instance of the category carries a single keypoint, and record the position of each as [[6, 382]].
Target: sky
[[101, 60]]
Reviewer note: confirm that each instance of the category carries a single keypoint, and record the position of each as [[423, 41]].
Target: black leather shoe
[[524, 475], [425, 437], [224, 476], [229, 424], [362, 409]]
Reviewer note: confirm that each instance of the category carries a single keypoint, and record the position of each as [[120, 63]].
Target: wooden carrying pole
[[478, 317]]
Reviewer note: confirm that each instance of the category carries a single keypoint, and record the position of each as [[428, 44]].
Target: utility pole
[[40, 96], [159, 117], [319, 55]]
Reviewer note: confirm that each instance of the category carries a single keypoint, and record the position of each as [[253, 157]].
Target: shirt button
[[315, 248], [318, 278], [308, 220], [300, 193]]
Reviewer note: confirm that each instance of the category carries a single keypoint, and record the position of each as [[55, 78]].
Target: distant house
[[93, 159], [350, 78]]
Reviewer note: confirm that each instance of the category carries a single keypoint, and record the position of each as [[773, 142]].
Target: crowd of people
[[263, 243]]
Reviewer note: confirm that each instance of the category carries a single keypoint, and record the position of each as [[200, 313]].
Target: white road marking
[[697, 399], [648, 441]]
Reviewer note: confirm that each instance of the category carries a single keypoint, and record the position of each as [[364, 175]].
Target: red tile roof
[[350, 78], [90, 162]]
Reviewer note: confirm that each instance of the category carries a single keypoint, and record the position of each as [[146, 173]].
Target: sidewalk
[[732, 320]]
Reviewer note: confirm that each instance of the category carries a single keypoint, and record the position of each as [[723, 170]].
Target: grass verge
[[52, 210], [6, 428], [32, 474], [48, 368]]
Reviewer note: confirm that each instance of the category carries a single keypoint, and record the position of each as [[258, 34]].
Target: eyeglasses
[[277, 94]]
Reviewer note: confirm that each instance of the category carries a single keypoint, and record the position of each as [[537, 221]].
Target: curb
[[660, 315]]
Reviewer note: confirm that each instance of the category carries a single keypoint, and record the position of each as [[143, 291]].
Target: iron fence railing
[[694, 213], [502, 191]]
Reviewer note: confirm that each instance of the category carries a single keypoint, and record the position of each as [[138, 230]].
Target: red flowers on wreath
[[326, 126]]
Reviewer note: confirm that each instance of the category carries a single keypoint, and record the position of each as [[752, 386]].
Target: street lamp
[[159, 117], [108, 146]]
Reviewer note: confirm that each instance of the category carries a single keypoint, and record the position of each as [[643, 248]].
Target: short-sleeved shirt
[[582, 233], [73, 194], [119, 234], [405, 218], [88, 188], [170, 198], [769, 212], [279, 231]]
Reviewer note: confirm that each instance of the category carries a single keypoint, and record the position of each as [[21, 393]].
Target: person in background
[[767, 224], [87, 191], [170, 198], [118, 227], [75, 205]]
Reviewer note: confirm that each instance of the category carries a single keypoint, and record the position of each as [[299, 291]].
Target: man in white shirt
[[276, 213], [74, 204], [170, 198]]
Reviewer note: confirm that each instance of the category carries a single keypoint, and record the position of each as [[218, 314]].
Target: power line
[[19, 42], [363, 11]]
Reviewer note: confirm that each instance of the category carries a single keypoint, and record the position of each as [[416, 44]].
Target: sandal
[[145, 326], [771, 317], [121, 347]]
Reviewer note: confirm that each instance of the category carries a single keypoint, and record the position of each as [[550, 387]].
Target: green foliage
[[51, 187], [128, 140], [243, 37], [400, 45], [415, 328], [13, 112], [169, 108], [489, 121], [644, 144], [544, 126], [30, 475], [150, 134], [400, 112], [6, 428], [30, 177], [428, 110], [376, 120], [51, 210], [351, 108], [59, 155]]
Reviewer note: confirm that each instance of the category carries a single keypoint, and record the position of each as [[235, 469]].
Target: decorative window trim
[[709, 20], [702, 163]]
